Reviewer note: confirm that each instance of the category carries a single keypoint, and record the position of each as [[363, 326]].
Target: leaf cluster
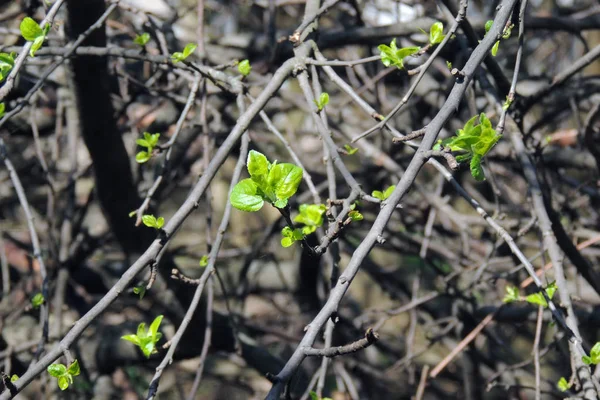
[[149, 141], [512, 295], [290, 236], [391, 55], [474, 142], [562, 384], [179, 56], [385, 194], [146, 339], [594, 357], [64, 376], [152, 222], [270, 182], [311, 216], [33, 32]]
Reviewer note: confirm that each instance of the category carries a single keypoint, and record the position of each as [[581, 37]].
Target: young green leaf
[[436, 33], [149, 221], [474, 142], [355, 215], [181, 56], [160, 222], [476, 169], [7, 62], [140, 291], [258, 166], [512, 294], [2, 109], [563, 384], [488, 25], [63, 382], [142, 39], [146, 340], [284, 179], [37, 300], [391, 55], [57, 370], [495, 48], [311, 215], [539, 299], [244, 67], [73, 369], [204, 261], [290, 236], [245, 197], [322, 101], [383, 195], [142, 157], [350, 150], [14, 378], [30, 30]]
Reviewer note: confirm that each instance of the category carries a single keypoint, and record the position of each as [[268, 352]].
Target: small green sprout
[[181, 56], [271, 182], [505, 35], [354, 214], [323, 101], [449, 65], [594, 357], [512, 295], [204, 261], [539, 299], [33, 32], [140, 291], [391, 55], [146, 339], [64, 376], [37, 300], [149, 141], [290, 236], [436, 33], [2, 109], [385, 194], [142, 39], [350, 150], [311, 215], [562, 384], [7, 62], [244, 67], [14, 378], [507, 103], [152, 222], [474, 142]]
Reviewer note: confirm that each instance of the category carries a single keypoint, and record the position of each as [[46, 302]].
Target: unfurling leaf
[[436, 33]]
